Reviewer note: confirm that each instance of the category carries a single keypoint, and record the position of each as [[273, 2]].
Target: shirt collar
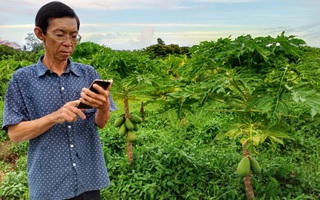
[[42, 70]]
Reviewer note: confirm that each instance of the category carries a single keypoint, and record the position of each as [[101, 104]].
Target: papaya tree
[[138, 84], [132, 88], [132, 80], [263, 82], [124, 68]]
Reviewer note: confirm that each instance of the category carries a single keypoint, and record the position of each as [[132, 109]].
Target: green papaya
[[122, 129], [243, 168], [119, 121], [136, 127], [121, 115], [129, 124], [255, 167], [131, 136], [135, 118]]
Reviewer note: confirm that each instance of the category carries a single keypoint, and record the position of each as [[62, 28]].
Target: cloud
[[126, 40], [9, 10], [133, 24], [17, 26], [315, 25], [146, 35], [164, 25], [114, 4], [108, 5], [224, 1]]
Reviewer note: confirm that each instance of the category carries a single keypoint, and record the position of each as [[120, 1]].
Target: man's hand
[[98, 101], [69, 112]]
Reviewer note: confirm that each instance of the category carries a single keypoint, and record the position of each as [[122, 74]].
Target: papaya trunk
[[248, 186], [247, 179], [129, 143], [142, 111]]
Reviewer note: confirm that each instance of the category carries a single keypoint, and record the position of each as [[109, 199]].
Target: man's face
[[60, 38]]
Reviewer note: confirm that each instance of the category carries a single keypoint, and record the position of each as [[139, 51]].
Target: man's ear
[[38, 32]]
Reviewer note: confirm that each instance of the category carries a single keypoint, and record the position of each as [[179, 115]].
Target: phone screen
[[101, 83]]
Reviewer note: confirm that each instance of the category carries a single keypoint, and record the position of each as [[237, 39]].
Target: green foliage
[[15, 185], [3, 134], [9, 66], [86, 50], [113, 64], [260, 79], [173, 162], [164, 169], [6, 51], [21, 148], [156, 50], [161, 50], [263, 90]]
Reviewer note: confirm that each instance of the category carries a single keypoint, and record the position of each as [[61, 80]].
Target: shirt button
[[62, 88], [71, 145], [69, 126], [74, 164]]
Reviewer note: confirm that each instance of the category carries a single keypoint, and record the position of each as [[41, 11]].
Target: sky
[[137, 24]]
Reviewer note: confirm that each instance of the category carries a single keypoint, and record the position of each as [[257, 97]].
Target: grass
[[181, 160]]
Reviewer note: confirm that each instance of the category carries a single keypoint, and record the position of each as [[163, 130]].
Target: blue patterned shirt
[[67, 159]]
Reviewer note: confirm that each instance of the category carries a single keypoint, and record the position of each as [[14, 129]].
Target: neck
[[57, 66]]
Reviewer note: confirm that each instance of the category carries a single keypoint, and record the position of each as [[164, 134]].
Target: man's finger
[[74, 103]]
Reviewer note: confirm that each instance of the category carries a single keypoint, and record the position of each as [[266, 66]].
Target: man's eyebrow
[[64, 31]]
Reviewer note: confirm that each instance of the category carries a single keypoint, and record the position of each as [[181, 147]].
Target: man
[[65, 157]]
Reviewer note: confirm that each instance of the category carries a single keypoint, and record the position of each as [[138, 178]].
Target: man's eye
[[60, 35]]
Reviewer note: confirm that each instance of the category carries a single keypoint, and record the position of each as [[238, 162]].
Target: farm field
[[203, 108]]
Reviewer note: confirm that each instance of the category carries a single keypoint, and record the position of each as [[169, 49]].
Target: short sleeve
[[14, 109], [112, 104]]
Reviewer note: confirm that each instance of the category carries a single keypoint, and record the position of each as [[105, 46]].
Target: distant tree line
[[162, 50], [34, 47], [29, 52]]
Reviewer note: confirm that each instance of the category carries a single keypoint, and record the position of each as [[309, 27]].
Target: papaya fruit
[[255, 167], [135, 118], [136, 127], [119, 121], [122, 129], [243, 168], [129, 124], [131, 136]]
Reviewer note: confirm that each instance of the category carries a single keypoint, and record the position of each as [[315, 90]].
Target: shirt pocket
[[75, 95]]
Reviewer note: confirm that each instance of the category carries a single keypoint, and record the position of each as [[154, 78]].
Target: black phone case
[[101, 83]]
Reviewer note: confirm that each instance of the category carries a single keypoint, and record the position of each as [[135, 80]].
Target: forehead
[[64, 23]]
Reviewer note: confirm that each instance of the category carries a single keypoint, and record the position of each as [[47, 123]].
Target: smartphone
[[102, 83]]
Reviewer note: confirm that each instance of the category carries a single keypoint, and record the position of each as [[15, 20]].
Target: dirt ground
[[1, 176]]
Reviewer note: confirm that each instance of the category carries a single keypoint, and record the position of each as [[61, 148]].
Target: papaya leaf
[[244, 140], [270, 133], [220, 136], [276, 140], [309, 98], [263, 52], [234, 133]]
